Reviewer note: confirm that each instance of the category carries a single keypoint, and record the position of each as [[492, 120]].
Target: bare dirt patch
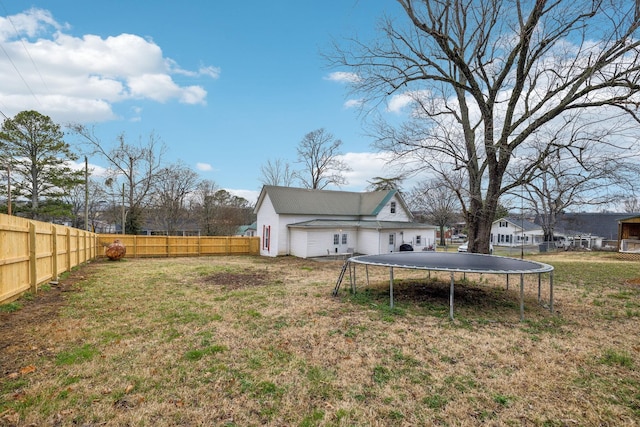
[[25, 333], [238, 280]]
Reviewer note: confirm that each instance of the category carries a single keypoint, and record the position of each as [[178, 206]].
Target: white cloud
[[353, 103], [204, 167], [397, 103], [343, 77], [80, 79], [364, 167], [250, 195], [95, 171]]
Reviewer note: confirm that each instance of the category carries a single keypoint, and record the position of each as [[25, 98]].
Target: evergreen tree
[[40, 159]]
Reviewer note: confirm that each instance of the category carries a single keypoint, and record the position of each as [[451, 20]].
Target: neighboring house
[[310, 223], [602, 224], [629, 234], [590, 229], [512, 231], [247, 230]]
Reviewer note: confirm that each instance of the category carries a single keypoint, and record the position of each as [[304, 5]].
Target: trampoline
[[453, 263]]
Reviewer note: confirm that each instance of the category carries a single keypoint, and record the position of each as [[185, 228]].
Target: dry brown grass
[[255, 341]]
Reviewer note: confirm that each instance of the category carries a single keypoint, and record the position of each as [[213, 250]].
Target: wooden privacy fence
[[139, 246], [34, 252]]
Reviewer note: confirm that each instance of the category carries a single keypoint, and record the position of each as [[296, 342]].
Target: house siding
[[268, 220], [299, 242], [400, 213], [512, 234], [427, 238], [295, 231]]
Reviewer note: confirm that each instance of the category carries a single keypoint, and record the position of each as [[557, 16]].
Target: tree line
[[139, 191]]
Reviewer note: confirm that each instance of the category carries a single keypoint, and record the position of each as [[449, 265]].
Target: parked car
[[465, 247], [405, 247]]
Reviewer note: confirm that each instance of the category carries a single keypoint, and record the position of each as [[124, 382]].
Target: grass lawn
[[249, 341]]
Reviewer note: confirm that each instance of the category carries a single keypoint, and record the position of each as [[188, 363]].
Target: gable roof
[[376, 225], [520, 223], [304, 201]]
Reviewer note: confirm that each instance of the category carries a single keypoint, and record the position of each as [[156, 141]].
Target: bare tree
[[481, 78], [133, 171], [318, 152], [204, 206], [575, 169], [631, 205], [277, 172], [439, 205], [221, 213], [170, 196]]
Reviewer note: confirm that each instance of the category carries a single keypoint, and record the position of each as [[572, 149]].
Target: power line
[[13, 63], [24, 46]]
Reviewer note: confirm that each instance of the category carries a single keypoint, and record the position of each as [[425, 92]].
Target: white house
[[511, 231], [309, 223]]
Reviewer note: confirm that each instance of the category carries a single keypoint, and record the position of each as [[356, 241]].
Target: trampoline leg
[[355, 282], [551, 291], [521, 297], [366, 269], [451, 298], [351, 283], [391, 287], [539, 287], [507, 281]]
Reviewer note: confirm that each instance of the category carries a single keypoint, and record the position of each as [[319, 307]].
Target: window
[[391, 239], [344, 239], [336, 239], [503, 224], [393, 207], [266, 237], [418, 240]]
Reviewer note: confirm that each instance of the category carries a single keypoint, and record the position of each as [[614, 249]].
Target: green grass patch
[[76, 355], [10, 307], [612, 357]]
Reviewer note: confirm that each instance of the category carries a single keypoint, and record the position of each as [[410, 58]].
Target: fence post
[[54, 252], [68, 266], [33, 271]]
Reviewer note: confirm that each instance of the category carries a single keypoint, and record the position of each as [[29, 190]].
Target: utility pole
[[86, 193], [123, 212]]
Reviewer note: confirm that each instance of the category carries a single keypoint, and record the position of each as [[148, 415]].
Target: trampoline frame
[[383, 260]]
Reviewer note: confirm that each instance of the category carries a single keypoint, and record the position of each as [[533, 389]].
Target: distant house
[[602, 224], [247, 230], [590, 229], [512, 231], [629, 234], [310, 223]]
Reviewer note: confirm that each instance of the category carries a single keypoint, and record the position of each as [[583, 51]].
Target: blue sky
[[226, 85]]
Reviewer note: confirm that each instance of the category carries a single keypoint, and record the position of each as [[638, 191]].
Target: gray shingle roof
[[376, 225], [303, 201], [520, 223]]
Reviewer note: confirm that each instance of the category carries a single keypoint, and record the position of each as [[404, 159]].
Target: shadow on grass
[[430, 297]]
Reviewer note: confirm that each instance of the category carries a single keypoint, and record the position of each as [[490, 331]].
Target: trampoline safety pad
[[453, 263]]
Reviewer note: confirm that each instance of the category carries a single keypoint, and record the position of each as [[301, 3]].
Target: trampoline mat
[[453, 261]]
